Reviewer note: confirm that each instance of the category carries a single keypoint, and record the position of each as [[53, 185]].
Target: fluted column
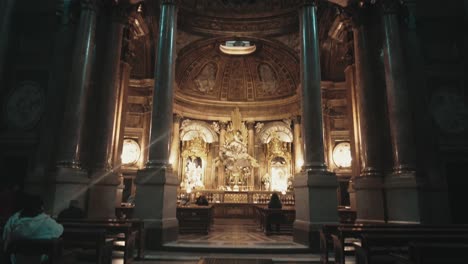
[[298, 157], [222, 140], [6, 11], [369, 185], [315, 187], [175, 145], [251, 148], [104, 177], [71, 180], [401, 186], [156, 182]]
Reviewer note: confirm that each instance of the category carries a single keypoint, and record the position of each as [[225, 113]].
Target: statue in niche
[[194, 173], [267, 78], [206, 79]]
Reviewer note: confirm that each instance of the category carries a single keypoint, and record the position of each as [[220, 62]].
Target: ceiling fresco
[[270, 73]]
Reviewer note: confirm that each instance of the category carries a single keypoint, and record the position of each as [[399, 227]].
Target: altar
[[231, 204]]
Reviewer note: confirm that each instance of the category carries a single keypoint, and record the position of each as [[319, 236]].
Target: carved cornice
[[278, 24]]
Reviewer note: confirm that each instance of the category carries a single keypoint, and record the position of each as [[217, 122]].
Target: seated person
[[30, 223], [201, 200], [277, 217], [275, 202], [72, 212]]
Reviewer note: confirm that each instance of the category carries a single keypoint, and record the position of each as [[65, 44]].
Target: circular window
[[130, 152], [342, 155]]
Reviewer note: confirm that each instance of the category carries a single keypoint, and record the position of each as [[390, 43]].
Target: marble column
[[251, 148], [175, 145], [156, 181], [298, 157], [70, 179], [353, 110], [433, 196], [315, 187], [222, 138], [369, 185], [6, 11], [104, 176], [401, 186]]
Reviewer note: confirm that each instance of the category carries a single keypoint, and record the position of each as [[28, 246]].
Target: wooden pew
[[344, 233], [114, 231], [53, 248], [93, 244], [378, 248], [282, 219], [195, 219], [137, 227], [433, 253]]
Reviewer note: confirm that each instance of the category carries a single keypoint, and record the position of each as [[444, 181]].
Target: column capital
[[296, 119], [168, 2], [390, 6], [250, 125], [176, 117], [89, 5], [223, 125]]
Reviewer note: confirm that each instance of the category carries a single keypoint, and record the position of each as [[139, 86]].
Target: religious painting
[[268, 84], [205, 81]]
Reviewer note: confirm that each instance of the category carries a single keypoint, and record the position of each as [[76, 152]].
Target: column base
[[70, 184], [403, 201], [102, 194], [370, 205], [316, 205], [156, 204]]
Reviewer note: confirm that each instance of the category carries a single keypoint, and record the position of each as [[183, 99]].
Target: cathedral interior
[[353, 109]]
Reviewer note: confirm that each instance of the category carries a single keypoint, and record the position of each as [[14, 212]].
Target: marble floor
[[236, 233], [232, 239]]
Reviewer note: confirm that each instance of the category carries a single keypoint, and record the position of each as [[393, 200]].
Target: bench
[[282, 219], [346, 232], [122, 232], [195, 219], [52, 248], [94, 245], [433, 253], [378, 248], [137, 232]]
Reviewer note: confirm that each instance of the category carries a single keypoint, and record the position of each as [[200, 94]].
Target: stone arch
[[191, 129], [281, 129]]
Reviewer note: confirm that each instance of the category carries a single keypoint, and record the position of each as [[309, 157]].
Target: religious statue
[[233, 154]]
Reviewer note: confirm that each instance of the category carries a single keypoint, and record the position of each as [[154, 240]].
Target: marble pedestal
[[155, 203], [70, 184], [316, 205], [402, 196], [370, 204], [102, 194]]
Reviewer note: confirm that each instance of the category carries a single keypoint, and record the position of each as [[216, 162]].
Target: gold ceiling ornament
[[196, 147]]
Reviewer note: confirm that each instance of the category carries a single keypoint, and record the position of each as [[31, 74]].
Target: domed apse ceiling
[[270, 73]]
